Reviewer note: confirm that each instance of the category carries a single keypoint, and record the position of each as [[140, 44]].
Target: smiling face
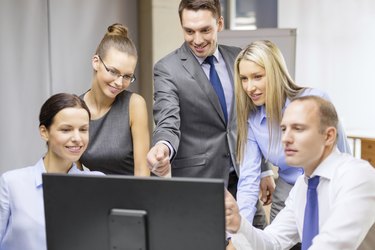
[[254, 81], [200, 31], [67, 137], [111, 82], [305, 143]]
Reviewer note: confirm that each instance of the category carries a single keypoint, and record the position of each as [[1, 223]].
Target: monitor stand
[[127, 229]]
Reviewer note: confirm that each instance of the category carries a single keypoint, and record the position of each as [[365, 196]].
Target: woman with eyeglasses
[[119, 135], [63, 125]]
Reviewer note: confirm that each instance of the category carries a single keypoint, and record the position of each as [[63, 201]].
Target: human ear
[[43, 132], [220, 23], [331, 134], [95, 62]]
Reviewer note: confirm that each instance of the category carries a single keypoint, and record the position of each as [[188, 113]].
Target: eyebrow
[[119, 72], [113, 68], [202, 28]]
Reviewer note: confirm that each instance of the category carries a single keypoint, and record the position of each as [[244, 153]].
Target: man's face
[[200, 31], [304, 144]]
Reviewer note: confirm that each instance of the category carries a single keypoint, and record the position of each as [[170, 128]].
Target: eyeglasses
[[116, 75]]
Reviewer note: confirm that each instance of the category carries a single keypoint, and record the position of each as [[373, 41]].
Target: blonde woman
[[263, 89]]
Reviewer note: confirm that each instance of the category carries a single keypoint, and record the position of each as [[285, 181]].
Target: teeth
[[75, 148]]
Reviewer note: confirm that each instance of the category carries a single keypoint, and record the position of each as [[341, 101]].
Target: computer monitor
[[86, 212]]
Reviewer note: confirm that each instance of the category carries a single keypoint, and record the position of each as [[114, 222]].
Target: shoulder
[[123, 98], [351, 171], [172, 57], [137, 99], [18, 175], [137, 103], [137, 108], [315, 92], [349, 163], [233, 51], [229, 48], [88, 172]]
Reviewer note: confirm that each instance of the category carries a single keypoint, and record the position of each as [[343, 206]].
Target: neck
[[98, 103], [55, 165], [310, 169]]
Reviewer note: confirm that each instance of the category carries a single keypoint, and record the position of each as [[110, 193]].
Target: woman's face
[[68, 135], [254, 81], [114, 71]]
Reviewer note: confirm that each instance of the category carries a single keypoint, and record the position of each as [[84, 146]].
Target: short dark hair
[[327, 112], [211, 5], [56, 103]]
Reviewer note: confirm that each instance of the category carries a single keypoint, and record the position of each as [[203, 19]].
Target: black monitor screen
[[126, 212]]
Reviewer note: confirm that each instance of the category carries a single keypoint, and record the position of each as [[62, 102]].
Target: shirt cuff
[[266, 173], [171, 150], [240, 239]]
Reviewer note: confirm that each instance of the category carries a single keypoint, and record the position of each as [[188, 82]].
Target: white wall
[[335, 52], [167, 31]]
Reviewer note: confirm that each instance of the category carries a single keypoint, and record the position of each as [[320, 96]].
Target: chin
[[291, 162], [74, 158]]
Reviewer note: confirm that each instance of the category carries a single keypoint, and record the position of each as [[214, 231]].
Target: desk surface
[[361, 134]]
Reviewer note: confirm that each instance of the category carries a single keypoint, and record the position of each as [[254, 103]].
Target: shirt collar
[[215, 54], [325, 168], [263, 114], [74, 169], [40, 169]]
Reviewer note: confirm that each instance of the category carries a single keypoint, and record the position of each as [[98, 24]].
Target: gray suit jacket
[[188, 115]]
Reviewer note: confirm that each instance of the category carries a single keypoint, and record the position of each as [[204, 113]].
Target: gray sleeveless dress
[[110, 148]]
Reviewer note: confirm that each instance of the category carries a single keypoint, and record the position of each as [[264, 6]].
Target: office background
[[46, 47]]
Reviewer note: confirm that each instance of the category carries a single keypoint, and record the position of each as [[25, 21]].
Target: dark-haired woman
[[63, 124]]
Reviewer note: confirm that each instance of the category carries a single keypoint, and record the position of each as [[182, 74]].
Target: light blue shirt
[[22, 224], [258, 146]]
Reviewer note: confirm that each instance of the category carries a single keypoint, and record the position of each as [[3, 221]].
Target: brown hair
[[116, 37], [211, 5], [327, 112], [56, 103]]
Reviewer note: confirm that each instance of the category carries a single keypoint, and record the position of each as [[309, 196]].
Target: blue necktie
[[215, 81], [311, 219]]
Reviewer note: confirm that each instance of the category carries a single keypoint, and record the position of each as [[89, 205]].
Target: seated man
[[331, 206]]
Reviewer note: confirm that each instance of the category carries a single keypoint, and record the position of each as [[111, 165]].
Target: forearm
[[166, 108], [248, 191], [248, 238], [140, 149]]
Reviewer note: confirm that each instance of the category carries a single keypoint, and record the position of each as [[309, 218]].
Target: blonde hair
[[116, 37], [280, 86]]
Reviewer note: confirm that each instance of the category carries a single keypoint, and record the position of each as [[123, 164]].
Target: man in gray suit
[[190, 122], [195, 129]]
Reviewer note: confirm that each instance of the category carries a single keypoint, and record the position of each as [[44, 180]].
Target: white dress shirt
[[346, 197], [257, 146]]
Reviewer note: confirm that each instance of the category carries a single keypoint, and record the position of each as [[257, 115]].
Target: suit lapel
[[229, 61], [192, 66]]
